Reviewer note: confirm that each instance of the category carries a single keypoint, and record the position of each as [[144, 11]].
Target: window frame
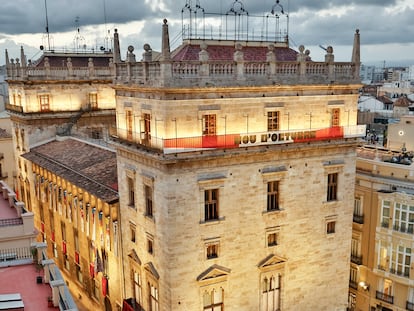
[[332, 187], [44, 102], [273, 120], [211, 204], [273, 196]]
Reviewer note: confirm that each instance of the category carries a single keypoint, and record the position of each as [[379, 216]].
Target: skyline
[[386, 38]]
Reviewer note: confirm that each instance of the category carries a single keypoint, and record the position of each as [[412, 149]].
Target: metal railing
[[356, 259], [359, 219], [409, 306], [384, 297], [11, 222], [353, 284]]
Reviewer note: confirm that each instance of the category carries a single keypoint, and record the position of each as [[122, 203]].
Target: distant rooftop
[[22, 279], [89, 167]]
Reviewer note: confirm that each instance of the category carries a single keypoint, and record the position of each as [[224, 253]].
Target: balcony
[[359, 219], [14, 108], [384, 297], [409, 306], [353, 284], [356, 259], [241, 140]]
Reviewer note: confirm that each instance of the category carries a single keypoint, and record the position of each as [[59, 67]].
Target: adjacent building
[[381, 275], [74, 192]]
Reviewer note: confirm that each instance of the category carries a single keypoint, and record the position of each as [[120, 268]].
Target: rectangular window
[[335, 113], [148, 201], [44, 103], [272, 121], [212, 251], [330, 227], [147, 127], [213, 300], [272, 239], [385, 214], [273, 196], [150, 245], [153, 298], [358, 206], [403, 218], [211, 204], [93, 101], [137, 287], [209, 124], [271, 292], [133, 232], [131, 192], [332, 187], [401, 261], [129, 124]]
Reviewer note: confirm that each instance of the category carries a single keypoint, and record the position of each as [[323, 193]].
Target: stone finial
[[165, 51], [271, 55], [147, 55], [301, 55], [117, 51], [356, 55], [90, 62], [69, 62], [203, 54], [47, 64], [238, 53], [130, 54], [22, 57], [329, 57], [7, 58], [356, 48]]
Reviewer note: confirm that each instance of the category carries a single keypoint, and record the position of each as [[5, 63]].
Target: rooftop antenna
[[108, 38], [78, 40], [47, 28]]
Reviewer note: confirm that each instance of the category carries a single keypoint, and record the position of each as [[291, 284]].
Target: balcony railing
[[384, 297], [353, 284], [14, 108], [359, 219], [11, 222], [356, 259], [409, 306], [199, 143]]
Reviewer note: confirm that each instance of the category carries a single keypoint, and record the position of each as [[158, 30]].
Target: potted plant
[[50, 301]]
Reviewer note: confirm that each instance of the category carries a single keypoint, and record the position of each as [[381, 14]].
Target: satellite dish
[[41, 47], [102, 48]]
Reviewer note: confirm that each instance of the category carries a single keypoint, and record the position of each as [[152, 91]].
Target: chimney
[[7, 59]]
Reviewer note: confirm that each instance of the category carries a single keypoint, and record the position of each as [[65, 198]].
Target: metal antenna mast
[[47, 28]]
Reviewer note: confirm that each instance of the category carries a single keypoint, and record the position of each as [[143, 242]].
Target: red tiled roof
[[402, 102], [78, 60], [91, 168], [225, 53]]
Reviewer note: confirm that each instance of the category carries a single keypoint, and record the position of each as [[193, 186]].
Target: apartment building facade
[[75, 194], [381, 273], [236, 175]]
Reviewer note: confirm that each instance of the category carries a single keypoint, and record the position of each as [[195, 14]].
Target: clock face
[[401, 133]]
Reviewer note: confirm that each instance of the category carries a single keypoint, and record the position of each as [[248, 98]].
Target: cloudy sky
[[386, 26]]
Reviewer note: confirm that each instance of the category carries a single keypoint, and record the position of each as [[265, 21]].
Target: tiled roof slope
[[91, 168], [77, 60], [222, 52]]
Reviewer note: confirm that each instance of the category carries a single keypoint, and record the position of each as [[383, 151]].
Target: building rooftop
[[89, 167], [22, 279], [218, 51]]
